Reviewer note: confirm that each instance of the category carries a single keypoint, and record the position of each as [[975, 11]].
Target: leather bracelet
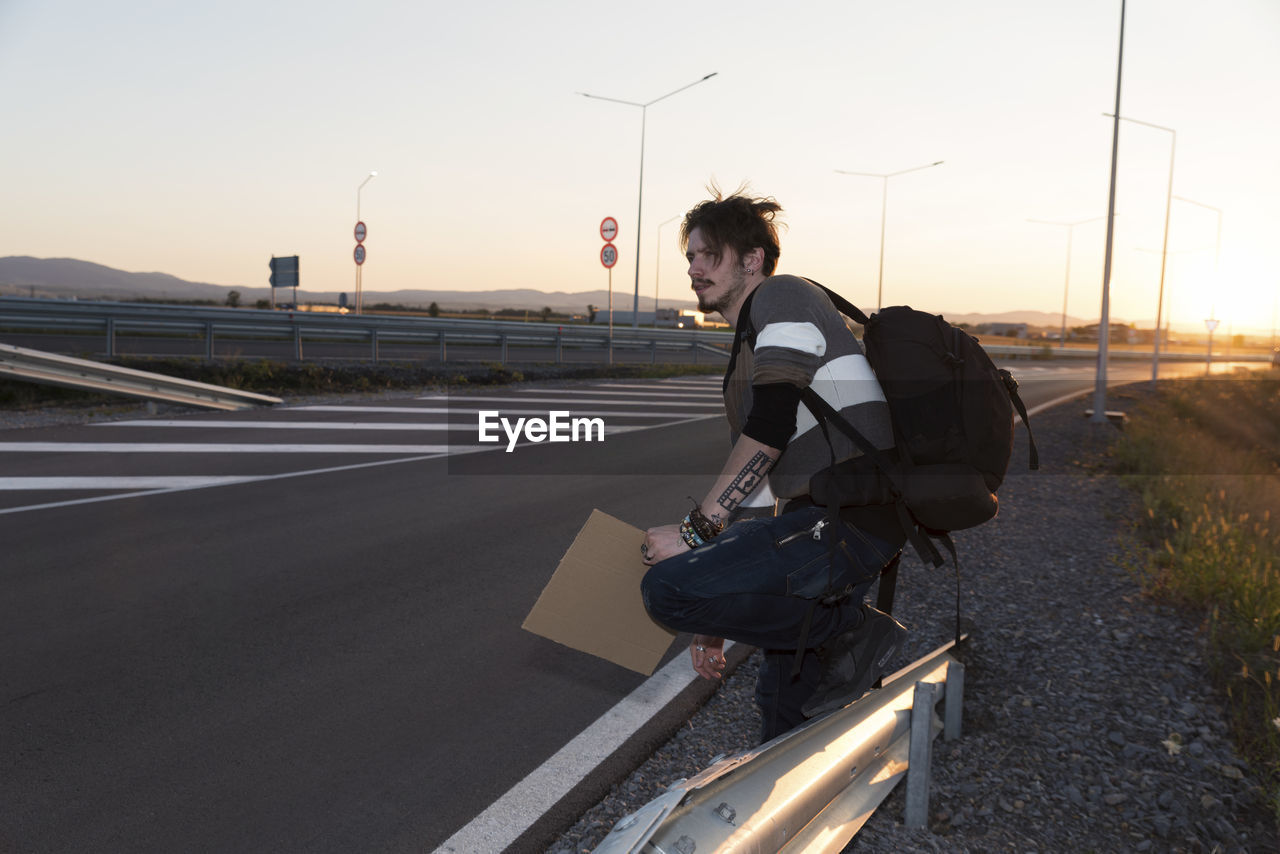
[[690, 535], [706, 528]]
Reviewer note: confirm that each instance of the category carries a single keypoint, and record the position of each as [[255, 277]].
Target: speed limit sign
[[608, 229], [609, 255]]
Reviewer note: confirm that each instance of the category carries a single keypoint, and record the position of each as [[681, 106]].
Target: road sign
[[359, 254], [284, 272], [609, 255], [361, 231], [1211, 323], [608, 230]]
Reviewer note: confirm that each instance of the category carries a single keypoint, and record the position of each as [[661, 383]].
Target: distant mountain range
[[67, 277]]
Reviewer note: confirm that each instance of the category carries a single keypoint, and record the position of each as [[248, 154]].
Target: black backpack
[[952, 415]]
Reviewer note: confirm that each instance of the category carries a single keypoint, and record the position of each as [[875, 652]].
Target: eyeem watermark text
[[558, 426]]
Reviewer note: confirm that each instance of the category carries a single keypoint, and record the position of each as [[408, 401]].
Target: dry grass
[[1205, 457]]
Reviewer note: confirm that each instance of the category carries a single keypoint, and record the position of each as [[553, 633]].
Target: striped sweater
[[800, 338]]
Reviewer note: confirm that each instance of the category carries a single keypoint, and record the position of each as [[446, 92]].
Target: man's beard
[[737, 285]]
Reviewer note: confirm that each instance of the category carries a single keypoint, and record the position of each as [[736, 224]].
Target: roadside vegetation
[[286, 379], [1204, 455]]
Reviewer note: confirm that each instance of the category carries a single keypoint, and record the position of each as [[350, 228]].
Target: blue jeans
[[756, 584]]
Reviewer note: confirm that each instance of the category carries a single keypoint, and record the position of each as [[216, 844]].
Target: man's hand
[[661, 543], [707, 653]]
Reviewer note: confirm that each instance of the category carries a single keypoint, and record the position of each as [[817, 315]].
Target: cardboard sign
[[592, 602]]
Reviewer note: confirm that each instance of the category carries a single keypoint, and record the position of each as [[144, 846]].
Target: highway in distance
[[298, 629]]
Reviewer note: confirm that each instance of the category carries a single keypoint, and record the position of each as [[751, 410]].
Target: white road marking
[[527, 801], [292, 425], [390, 410], [252, 479], [29, 484], [210, 448], [578, 400], [600, 391]]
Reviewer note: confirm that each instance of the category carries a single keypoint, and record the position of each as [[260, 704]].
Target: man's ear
[[754, 260]]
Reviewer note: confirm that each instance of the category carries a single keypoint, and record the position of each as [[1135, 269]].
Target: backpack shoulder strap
[[842, 305], [1012, 386]]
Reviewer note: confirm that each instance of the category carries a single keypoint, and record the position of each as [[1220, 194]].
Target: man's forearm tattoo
[[746, 481]]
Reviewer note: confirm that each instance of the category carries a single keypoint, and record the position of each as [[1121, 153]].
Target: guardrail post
[[111, 337], [653, 351], [208, 341], [954, 700], [443, 354], [374, 343], [504, 348], [559, 346], [297, 343], [695, 351], [920, 756]]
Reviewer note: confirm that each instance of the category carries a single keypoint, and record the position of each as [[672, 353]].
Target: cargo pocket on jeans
[[809, 577]]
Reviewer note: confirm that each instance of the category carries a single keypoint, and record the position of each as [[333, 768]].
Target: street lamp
[[657, 267], [1104, 315], [644, 107], [359, 265], [1071, 227], [1164, 252], [884, 204], [1168, 303]]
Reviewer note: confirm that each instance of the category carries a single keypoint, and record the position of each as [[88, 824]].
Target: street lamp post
[[1071, 227], [1104, 314], [360, 267], [1217, 252], [644, 107], [1164, 252], [1168, 301], [657, 267], [884, 206]]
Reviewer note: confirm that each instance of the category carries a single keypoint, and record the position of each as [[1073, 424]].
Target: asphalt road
[[262, 645]]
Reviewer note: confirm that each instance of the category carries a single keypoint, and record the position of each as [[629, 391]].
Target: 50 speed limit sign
[[609, 255]]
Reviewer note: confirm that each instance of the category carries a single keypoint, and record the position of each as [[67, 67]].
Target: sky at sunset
[[199, 139]]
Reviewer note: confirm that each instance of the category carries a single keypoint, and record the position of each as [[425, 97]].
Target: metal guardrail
[[811, 789], [113, 320], [53, 369]]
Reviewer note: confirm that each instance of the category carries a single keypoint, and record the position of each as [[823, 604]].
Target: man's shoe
[[854, 660]]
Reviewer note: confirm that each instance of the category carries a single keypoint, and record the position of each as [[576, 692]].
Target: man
[[768, 581]]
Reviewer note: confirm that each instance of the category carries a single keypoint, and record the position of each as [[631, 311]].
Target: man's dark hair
[[738, 221]]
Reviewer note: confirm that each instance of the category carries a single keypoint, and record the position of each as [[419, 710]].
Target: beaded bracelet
[[689, 534]]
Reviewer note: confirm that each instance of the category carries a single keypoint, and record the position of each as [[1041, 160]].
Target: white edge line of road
[[1056, 401], [507, 818], [511, 815]]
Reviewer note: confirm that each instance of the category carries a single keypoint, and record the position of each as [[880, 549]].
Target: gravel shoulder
[[1090, 724]]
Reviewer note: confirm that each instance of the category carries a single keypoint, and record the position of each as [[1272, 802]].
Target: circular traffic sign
[[359, 254], [608, 230], [609, 255], [361, 231]]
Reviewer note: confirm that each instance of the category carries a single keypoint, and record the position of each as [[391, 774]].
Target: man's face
[[720, 281]]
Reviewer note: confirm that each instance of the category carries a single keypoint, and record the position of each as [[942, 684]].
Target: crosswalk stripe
[[32, 484], [210, 448], [649, 403], [609, 392]]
